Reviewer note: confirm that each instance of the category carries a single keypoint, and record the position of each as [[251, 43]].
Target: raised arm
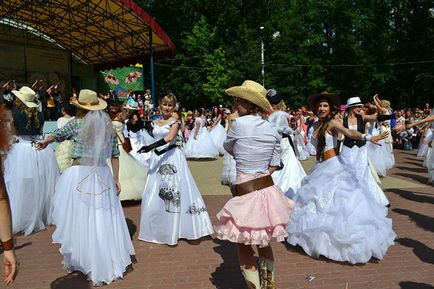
[[336, 126], [422, 121]]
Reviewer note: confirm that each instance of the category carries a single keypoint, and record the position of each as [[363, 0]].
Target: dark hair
[[323, 126], [68, 109]]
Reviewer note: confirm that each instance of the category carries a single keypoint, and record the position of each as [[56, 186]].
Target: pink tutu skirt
[[256, 218]]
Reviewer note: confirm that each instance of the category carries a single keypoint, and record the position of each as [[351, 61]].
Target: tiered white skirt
[[335, 216], [90, 224]]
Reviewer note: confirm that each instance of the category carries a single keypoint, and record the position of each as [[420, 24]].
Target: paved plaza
[[211, 263]]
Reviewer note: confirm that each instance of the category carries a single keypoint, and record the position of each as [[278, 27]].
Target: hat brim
[[250, 95], [18, 94], [131, 108], [102, 104], [332, 98], [354, 104]]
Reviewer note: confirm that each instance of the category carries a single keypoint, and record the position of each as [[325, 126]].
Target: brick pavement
[[211, 263]]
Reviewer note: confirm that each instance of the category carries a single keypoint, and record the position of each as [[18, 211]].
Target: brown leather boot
[[269, 264], [263, 273]]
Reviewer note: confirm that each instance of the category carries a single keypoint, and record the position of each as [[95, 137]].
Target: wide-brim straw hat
[[354, 101], [252, 92], [26, 95], [89, 100], [332, 98]]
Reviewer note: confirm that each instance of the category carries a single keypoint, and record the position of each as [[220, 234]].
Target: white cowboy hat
[[132, 105], [26, 95], [354, 101], [89, 100], [252, 92]]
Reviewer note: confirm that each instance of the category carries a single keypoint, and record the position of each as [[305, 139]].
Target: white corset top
[[330, 142]]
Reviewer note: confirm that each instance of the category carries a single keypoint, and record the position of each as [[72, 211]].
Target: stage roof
[[102, 33]]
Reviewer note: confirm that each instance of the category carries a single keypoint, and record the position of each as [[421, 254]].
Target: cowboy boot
[[263, 273], [251, 277], [270, 274]]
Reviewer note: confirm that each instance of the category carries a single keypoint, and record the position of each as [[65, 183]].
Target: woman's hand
[[375, 139], [10, 265], [118, 187], [42, 144]]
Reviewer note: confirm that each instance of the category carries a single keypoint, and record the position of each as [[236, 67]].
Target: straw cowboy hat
[[89, 100], [332, 98], [253, 92], [26, 95], [354, 101]]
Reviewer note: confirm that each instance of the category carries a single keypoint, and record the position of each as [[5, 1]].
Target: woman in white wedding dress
[[172, 206], [200, 144], [333, 214]]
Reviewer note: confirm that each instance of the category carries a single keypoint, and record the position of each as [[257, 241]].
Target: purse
[[126, 144]]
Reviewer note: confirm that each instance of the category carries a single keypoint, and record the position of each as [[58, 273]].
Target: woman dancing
[[333, 215], [30, 175], [259, 212], [90, 222], [354, 152], [172, 206]]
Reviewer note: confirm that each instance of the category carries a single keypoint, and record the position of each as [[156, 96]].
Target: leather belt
[[328, 154], [253, 185]]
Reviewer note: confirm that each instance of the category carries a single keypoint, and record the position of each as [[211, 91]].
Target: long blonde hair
[[5, 133]]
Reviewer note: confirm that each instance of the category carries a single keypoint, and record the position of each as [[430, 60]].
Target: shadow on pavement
[[228, 274], [425, 222], [132, 228], [299, 250], [422, 251], [412, 196], [414, 285], [75, 280], [413, 170], [417, 178]]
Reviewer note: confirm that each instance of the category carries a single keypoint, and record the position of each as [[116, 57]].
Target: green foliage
[[347, 47]]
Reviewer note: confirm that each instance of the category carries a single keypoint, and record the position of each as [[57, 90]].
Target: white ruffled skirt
[[357, 158], [229, 171], [336, 217], [90, 224], [30, 178], [172, 206], [201, 148], [218, 136], [423, 144], [289, 178]]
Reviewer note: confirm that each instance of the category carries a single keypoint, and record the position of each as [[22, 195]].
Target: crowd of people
[[110, 151]]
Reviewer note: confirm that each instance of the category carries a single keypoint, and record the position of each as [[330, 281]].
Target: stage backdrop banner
[[120, 80]]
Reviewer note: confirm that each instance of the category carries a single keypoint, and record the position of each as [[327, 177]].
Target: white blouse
[[254, 143]]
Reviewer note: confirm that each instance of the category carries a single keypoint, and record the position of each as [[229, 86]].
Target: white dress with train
[[172, 206], [132, 174], [218, 136], [30, 177], [203, 146], [381, 155], [336, 218]]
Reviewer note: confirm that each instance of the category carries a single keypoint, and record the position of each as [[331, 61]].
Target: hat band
[[88, 103]]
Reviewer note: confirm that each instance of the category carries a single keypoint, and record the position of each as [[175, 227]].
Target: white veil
[[96, 134]]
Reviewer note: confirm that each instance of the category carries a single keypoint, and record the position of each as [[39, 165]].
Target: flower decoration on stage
[[132, 77], [111, 78]]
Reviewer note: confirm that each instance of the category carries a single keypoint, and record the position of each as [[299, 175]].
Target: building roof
[[103, 33]]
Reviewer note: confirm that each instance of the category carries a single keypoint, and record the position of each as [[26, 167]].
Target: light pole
[[261, 30]]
